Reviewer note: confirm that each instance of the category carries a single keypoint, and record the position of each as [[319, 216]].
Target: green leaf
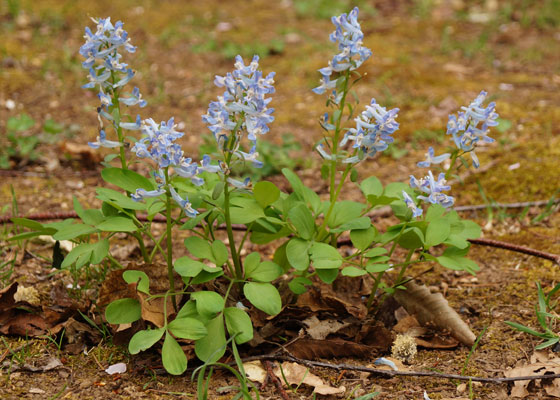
[[20, 123], [187, 328], [325, 256], [412, 238], [143, 340], [208, 303], [238, 323], [100, 251], [266, 193], [139, 277], [251, 263], [267, 271], [454, 258], [199, 247], [79, 250], [219, 252], [295, 182], [123, 311], [245, 210], [471, 230], [206, 276], [27, 223], [345, 211], [297, 254], [264, 296], [212, 347], [126, 179], [303, 221], [327, 275], [437, 232], [73, 231], [352, 271], [358, 223], [394, 189], [372, 185], [434, 211], [375, 252], [375, 268], [363, 238], [173, 356], [186, 266], [117, 224], [118, 200], [297, 285]]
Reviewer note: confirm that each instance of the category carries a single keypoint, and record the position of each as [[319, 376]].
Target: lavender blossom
[[431, 158], [243, 106], [373, 129], [433, 188], [416, 211], [464, 127], [348, 34]]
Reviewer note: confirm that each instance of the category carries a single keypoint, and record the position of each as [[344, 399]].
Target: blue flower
[[433, 188], [373, 130], [103, 142], [205, 165], [465, 126], [132, 126], [348, 34], [243, 106], [245, 184], [432, 159], [251, 156], [141, 194], [183, 203], [416, 211], [103, 46], [133, 98]]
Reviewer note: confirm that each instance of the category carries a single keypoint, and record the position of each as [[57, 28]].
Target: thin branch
[[391, 373], [517, 248], [270, 374]]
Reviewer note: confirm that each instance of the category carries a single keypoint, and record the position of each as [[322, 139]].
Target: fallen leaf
[[255, 371], [311, 349], [47, 365], [319, 330], [432, 309], [541, 364], [291, 373]]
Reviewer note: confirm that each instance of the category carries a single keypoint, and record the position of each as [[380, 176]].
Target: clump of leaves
[[547, 318], [21, 143]]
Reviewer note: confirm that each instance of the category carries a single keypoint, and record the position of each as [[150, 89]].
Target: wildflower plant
[[203, 196]]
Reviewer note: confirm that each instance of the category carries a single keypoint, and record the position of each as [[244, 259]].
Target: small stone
[[462, 388], [36, 391]]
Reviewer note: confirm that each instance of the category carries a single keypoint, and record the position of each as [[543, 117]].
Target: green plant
[[21, 144], [546, 317], [275, 157]]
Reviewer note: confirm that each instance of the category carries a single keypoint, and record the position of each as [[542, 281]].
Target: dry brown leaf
[[153, 310], [319, 330], [432, 309], [295, 374], [311, 349], [541, 364]]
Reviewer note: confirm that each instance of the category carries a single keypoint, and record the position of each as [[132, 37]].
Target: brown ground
[[429, 58]]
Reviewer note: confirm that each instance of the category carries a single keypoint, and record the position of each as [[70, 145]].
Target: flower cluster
[[103, 46], [373, 131], [348, 34], [242, 108], [433, 188], [158, 144], [109, 73], [465, 126]]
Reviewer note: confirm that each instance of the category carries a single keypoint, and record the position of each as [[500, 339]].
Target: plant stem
[[337, 136], [231, 239], [169, 239], [404, 267]]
